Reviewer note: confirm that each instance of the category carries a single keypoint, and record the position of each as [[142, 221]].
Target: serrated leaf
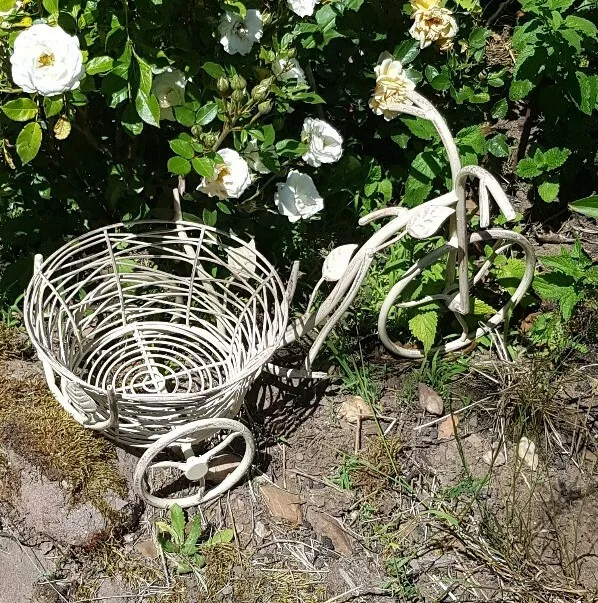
[[498, 146], [548, 191], [587, 206], [588, 92], [101, 64], [204, 166], [565, 264], [423, 327], [29, 141], [527, 168], [51, 6], [148, 108], [481, 308], [179, 166], [130, 120], [499, 111], [567, 303], [53, 105], [422, 128], [206, 114], [20, 109], [554, 158], [473, 136], [520, 89], [583, 26], [183, 148], [185, 116]]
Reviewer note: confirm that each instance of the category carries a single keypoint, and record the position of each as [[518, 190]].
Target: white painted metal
[[152, 332]]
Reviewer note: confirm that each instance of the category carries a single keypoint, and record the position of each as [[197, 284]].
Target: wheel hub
[[195, 469]]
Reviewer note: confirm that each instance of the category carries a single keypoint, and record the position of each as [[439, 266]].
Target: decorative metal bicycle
[[152, 332]]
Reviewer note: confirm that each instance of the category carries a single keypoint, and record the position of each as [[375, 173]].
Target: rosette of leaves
[[182, 546]]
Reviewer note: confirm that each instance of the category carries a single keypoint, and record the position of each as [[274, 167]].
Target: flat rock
[[20, 569]]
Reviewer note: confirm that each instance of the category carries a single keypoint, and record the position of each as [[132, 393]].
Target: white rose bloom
[[253, 158], [298, 197], [392, 87], [169, 88], [230, 179], [237, 35], [325, 144], [288, 69], [303, 8], [46, 60], [434, 25]]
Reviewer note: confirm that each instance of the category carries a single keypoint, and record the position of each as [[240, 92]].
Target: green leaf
[[583, 26], [554, 158], [206, 114], [29, 141], [473, 136], [199, 560], [565, 264], [520, 89], [527, 168], [204, 166], [7, 5], [182, 147], [422, 128], [99, 65], [209, 217], [53, 105], [213, 69], [481, 308], [499, 111], [221, 537], [498, 146], [423, 327], [50, 5], [193, 536], [548, 191], [561, 5], [588, 92], [145, 76], [567, 302], [572, 37], [177, 520], [130, 120], [290, 148], [20, 109], [185, 116], [148, 108], [178, 165], [587, 206], [406, 51]]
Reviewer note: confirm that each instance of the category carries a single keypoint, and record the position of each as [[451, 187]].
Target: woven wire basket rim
[[251, 366]]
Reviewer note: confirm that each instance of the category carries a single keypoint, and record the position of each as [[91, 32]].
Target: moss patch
[[14, 344], [35, 426]]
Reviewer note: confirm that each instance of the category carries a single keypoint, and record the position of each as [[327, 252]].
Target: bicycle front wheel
[[489, 252]]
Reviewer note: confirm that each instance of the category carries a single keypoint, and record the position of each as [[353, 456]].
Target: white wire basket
[[150, 326]]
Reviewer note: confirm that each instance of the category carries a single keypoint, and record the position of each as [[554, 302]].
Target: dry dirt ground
[[421, 488]]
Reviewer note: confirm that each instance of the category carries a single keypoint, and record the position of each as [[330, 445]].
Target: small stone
[[353, 408], [299, 456], [129, 538], [498, 456], [261, 530], [447, 427], [430, 400], [147, 549], [590, 457], [240, 504], [526, 451]]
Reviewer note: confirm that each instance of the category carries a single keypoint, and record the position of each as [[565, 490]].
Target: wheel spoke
[[168, 465], [424, 300], [219, 448]]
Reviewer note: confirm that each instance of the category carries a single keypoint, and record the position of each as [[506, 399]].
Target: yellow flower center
[[45, 60]]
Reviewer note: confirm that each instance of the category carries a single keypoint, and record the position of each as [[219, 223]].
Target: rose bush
[[283, 119]]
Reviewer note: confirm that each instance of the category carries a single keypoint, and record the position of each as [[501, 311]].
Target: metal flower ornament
[[152, 332]]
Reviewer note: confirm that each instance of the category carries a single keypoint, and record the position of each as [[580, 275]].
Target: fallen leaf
[[526, 451], [282, 504], [353, 408], [323, 523], [147, 549], [62, 128], [430, 400], [446, 428]]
